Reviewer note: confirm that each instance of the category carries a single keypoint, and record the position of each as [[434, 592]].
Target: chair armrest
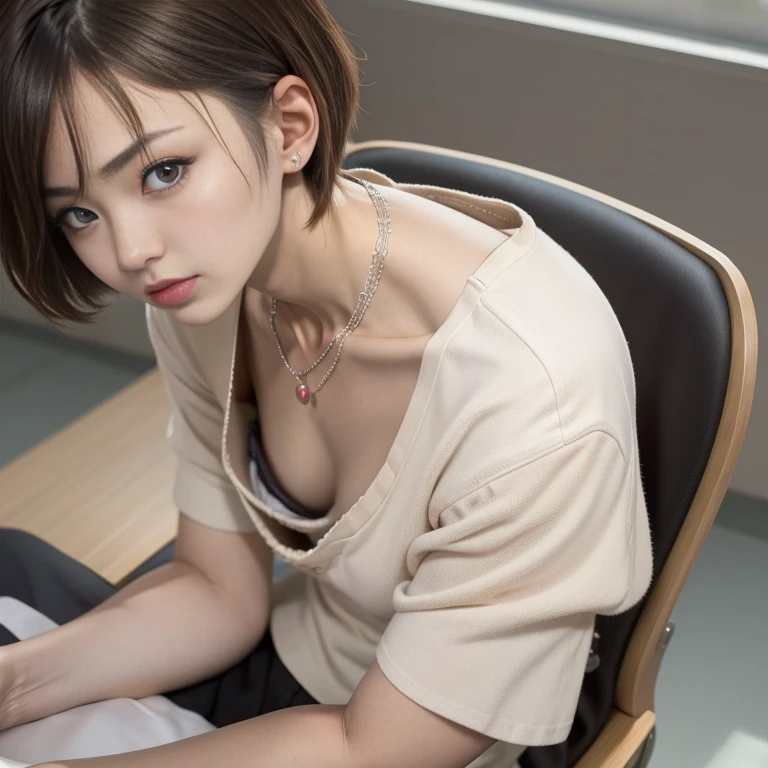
[[619, 741], [100, 489]]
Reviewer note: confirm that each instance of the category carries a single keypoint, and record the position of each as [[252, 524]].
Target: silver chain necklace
[[371, 284]]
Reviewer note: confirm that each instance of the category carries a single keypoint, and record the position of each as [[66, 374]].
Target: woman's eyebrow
[[116, 164]]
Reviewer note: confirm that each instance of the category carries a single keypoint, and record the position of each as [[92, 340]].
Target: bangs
[[109, 87], [35, 81]]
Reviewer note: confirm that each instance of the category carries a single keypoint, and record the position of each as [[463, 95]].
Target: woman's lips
[[174, 294]]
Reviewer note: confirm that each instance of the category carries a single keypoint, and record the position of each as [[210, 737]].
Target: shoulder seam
[[531, 460], [533, 351]]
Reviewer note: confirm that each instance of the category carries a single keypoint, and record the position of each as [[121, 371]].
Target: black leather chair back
[[676, 319]]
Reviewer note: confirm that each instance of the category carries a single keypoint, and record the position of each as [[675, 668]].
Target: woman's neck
[[316, 275]]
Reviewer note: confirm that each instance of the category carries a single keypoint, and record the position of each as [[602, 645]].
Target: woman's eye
[[77, 218], [158, 178], [163, 176]]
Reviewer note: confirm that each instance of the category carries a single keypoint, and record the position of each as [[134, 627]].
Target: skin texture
[[235, 231]]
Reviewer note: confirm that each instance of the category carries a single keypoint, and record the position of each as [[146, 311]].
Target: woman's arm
[[379, 728], [179, 624]]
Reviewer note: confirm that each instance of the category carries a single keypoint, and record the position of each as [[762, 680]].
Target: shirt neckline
[[490, 210]]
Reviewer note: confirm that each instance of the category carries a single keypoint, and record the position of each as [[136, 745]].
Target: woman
[[411, 394]]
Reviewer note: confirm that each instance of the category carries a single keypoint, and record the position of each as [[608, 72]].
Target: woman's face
[[188, 214]]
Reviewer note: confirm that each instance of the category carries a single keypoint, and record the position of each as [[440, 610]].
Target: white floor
[[712, 696]]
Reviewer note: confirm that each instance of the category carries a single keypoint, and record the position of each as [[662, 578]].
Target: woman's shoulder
[[201, 351], [544, 355], [548, 299], [435, 247]]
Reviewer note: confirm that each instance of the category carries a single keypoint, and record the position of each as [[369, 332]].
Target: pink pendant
[[302, 392]]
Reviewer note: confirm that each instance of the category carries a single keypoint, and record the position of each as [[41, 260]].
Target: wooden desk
[[100, 489]]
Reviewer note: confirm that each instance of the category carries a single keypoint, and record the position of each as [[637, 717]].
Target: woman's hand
[[7, 686]]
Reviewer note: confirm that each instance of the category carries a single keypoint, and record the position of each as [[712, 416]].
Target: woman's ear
[[297, 119]]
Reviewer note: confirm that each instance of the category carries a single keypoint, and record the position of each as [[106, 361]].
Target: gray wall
[[121, 326], [680, 136]]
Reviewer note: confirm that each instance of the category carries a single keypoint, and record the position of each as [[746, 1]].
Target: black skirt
[[62, 589]]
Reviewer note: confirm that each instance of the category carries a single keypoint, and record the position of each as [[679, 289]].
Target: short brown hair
[[235, 50]]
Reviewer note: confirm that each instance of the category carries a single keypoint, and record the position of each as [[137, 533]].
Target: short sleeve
[[201, 488], [494, 629]]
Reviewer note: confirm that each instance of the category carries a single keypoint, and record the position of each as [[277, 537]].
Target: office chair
[[689, 321]]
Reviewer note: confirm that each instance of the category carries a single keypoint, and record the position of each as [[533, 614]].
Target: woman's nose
[[136, 243]]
